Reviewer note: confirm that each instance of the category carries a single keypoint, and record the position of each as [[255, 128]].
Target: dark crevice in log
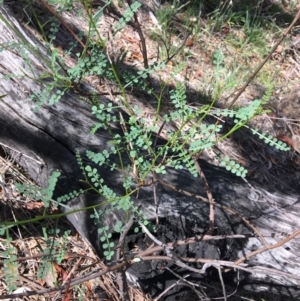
[[53, 135]]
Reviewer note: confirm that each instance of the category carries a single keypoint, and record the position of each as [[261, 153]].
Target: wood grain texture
[[52, 135]]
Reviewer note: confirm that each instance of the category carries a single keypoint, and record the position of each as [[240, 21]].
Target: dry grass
[[29, 243]]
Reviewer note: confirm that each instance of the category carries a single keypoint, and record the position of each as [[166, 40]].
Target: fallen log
[[255, 240]]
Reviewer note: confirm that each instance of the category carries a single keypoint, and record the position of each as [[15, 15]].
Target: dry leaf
[[33, 205], [89, 288], [137, 56], [61, 271], [190, 42], [31, 244], [67, 296], [199, 73]]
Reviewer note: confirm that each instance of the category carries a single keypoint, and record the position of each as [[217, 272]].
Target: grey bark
[[47, 140]]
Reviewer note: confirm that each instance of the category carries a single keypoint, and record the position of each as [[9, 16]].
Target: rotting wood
[[48, 139]]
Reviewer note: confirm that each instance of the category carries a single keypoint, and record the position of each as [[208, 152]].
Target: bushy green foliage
[[272, 141], [10, 264], [188, 136], [94, 63], [53, 252], [127, 16], [34, 192], [64, 5], [234, 167]]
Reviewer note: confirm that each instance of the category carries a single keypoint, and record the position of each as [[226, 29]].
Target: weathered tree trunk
[[47, 140]]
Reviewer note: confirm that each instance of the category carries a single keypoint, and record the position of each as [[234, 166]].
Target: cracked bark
[[48, 139]]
